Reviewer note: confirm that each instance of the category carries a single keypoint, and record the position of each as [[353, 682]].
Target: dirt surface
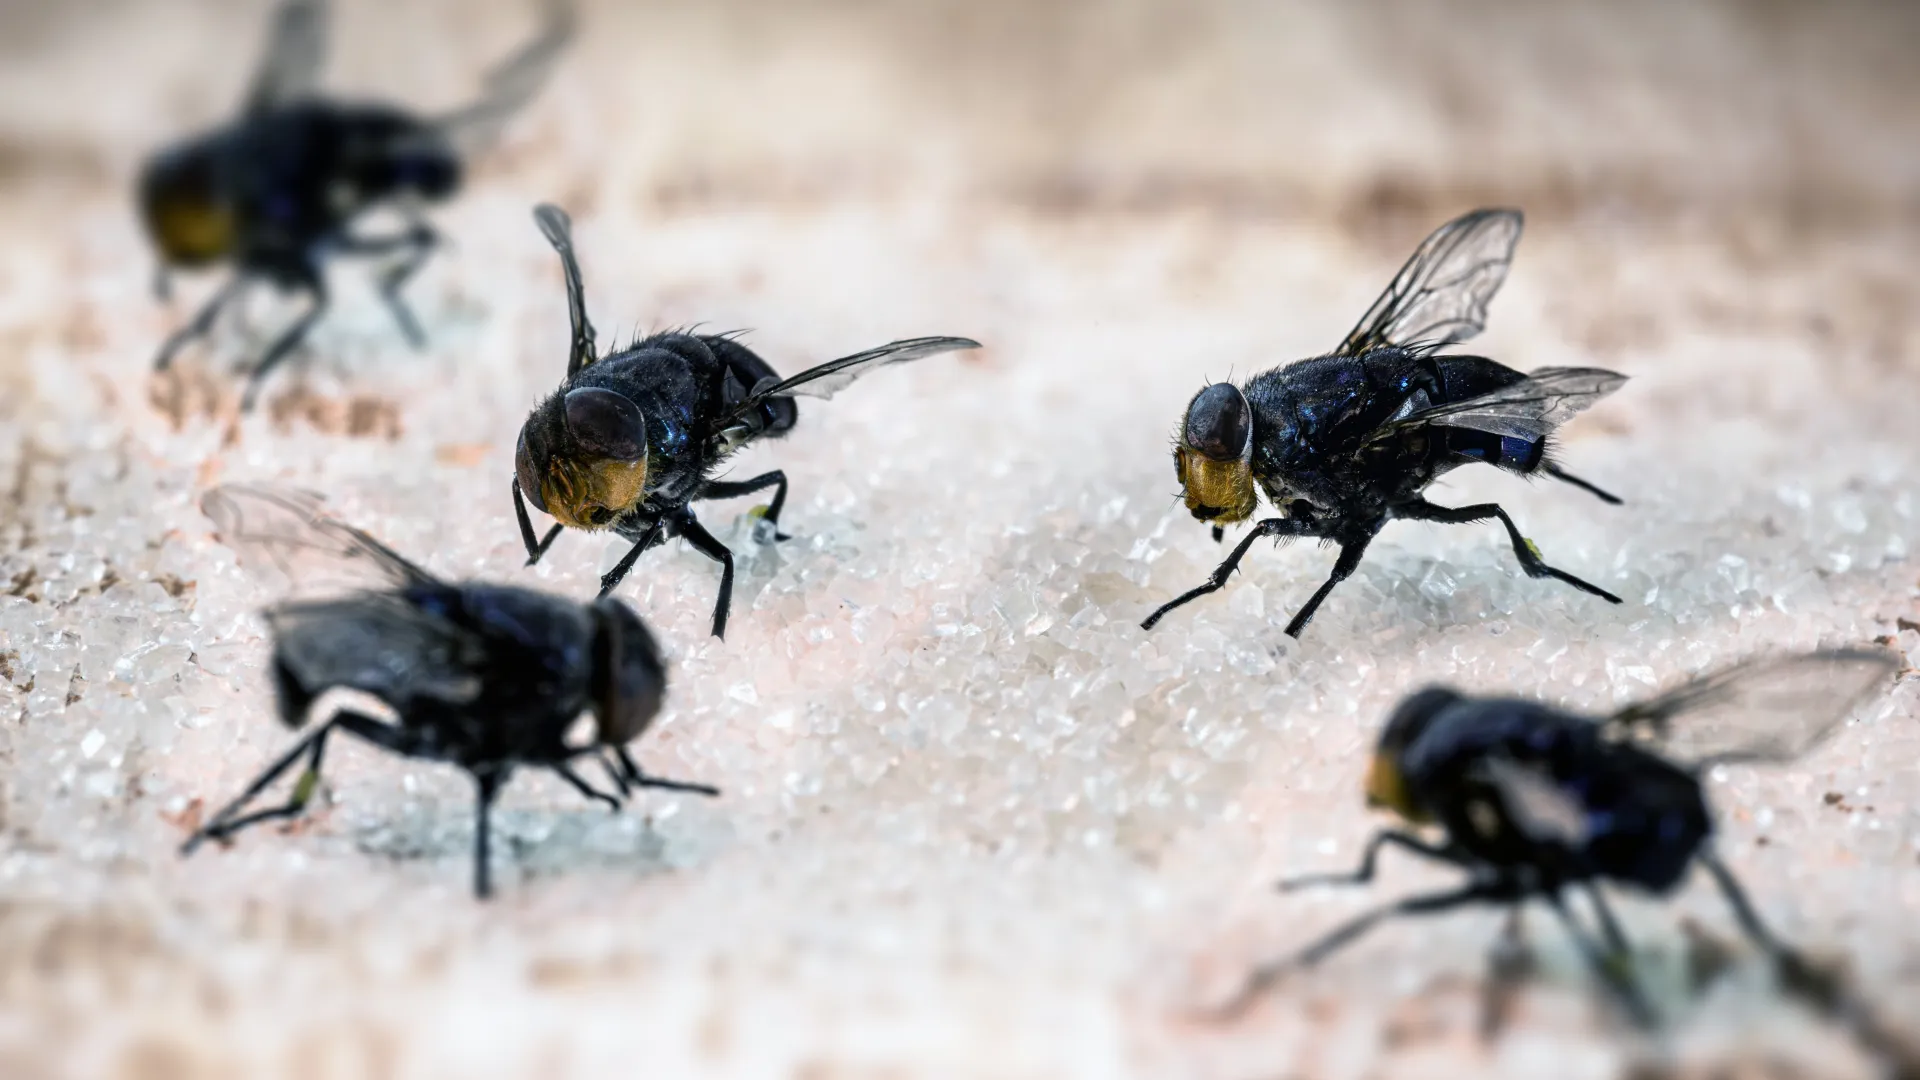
[[975, 822]]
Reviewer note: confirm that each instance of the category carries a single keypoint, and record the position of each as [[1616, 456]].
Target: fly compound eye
[[606, 424], [1219, 423], [528, 476]]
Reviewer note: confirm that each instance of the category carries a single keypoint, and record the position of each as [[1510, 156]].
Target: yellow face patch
[[591, 496], [1217, 491], [1387, 789], [191, 230]]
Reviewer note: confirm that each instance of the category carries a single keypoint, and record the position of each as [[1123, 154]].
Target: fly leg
[[1792, 969], [1351, 551], [632, 776], [1523, 549], [201, 324], [705, 543], [283, 345], [1283, 527], [486, 789], [1607, 965], [1431, 903], [566, 773], [612, 578], [417, 243], [1509, 964], [1566, 477], [535, 548], [229, 820], [727, 489], [1364, 873]]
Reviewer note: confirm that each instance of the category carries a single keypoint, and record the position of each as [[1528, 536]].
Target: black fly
[[1342, 444], [632, 438], [486, 677], [275, 193], [1531, 801]]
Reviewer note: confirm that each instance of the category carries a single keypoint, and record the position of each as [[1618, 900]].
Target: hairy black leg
[[535, 548], [1421, 904], [200, 324], [1364, 873], [1793, 970], [611, 766], [284, 345], [705, 543], [486, 790], [1611, 966], [1351, 552], [1269, 527], [1530, 560], [566, 773], [727, 489], [611, 580], [1509, 963], [227, 822], [419, 241], [1564, 476], [1609, 926], [634, 777]]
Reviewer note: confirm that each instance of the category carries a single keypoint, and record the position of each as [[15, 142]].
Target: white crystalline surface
[[975, 821]]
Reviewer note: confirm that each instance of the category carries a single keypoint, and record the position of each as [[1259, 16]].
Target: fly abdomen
[[1510, 452], [747, 369]]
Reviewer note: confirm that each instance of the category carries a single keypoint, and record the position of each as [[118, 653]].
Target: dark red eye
[[1219, 424], [607, 424]]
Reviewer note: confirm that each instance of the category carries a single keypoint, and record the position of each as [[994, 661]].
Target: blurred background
[[1121, 197]]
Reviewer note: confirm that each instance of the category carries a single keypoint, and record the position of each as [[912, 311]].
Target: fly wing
[[1540, 808], [1772, 709], [834, 376], [1529, 409], [378, 643], [296, 49], [511, 84], [1440, 296], [276, 530]]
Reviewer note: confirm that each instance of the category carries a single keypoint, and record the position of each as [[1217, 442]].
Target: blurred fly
[[1342, 444], [631, 439], [486, 677], [1531, 801], [276, 192]]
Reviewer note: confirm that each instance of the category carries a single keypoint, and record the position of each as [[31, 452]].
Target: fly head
[[1213, 459], [629, 676], [582, 457], [1386, 774], [182, 207]]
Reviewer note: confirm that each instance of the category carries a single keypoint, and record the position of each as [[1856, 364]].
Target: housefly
[[1341, 444], [1533, 801], [277, 192], [485, 677], [631, 439]]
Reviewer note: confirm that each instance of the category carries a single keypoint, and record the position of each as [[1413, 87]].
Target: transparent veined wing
[[1771, 709], [1528, 409], [830, 378], [378, 643], [289, 533], [511, 84], [1440, 296], [296, 49]]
